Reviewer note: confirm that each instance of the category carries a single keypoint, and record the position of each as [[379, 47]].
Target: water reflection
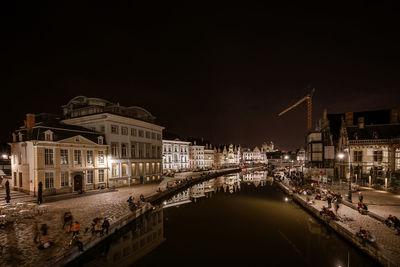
[[279, 230]]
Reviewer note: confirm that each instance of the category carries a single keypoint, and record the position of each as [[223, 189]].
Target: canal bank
[[71, 253], [251, 225], [385, 250]]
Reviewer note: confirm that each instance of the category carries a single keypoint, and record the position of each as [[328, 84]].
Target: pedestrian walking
[[329, 199], [40, 193], [336, 205], [360, 196], [76, 227], [7, 198], [106, 225]]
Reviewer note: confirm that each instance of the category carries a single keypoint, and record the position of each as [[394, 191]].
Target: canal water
[[239, 219]]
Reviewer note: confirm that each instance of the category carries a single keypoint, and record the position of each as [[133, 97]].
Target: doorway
[[78, 179]]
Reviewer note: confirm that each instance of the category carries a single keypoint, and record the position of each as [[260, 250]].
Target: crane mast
[[307, 98]]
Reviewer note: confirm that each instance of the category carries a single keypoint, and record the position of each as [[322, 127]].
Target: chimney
[[30, 121], [349, 117], [361, 123], [394, 115]]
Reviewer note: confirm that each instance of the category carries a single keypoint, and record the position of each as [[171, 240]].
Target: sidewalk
[[17, 239], [379, 202], [387, 245]]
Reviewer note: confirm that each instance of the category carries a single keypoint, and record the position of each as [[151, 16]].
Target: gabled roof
[[372, 117], [386, 131], [61, 131]]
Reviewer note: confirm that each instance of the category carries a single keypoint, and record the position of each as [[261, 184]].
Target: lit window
[[89, 177], [49, 180], [101, 176], [77, 157], [48, 156], [100, 156], [89, 156], [64, 179], [63, 156], [114, 129]]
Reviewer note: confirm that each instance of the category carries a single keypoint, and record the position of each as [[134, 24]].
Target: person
[[36, 232], [7, 198], [98, 229], [360, 197], [77, 240], [43, 232], [329, 199], [360, 207], [67, 221], [40, 194], [76, 227], [142, 198], [336, 205], [106, 225], [362, 233]]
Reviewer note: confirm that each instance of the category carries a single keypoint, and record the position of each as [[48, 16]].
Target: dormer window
[[355, 136], [375, 134], [14, 137], [48, 135], [20, 137], [100, 140]]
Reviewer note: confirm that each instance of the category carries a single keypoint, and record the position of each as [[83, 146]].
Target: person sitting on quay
[[76, 227], [105, 225], [362, 208], [362, 233], [389, 221], [318, 196], [68, 219]]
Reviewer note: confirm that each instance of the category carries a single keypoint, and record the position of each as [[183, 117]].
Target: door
[[78, 182]]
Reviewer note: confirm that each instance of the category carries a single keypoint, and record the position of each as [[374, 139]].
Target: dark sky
[[222, 72]]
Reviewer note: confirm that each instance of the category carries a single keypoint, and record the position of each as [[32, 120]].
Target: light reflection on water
[[238, 219]]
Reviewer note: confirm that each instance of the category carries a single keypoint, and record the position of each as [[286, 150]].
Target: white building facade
[[134, 141], [196, 156], [175, 155]]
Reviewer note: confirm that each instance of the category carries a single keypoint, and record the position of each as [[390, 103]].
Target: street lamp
[[341, 156]]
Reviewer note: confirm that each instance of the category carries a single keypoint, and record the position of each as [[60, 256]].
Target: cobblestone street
[[379, 202], [17, 239]]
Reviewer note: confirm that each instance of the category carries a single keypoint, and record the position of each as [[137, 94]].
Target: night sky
[[222, 72]]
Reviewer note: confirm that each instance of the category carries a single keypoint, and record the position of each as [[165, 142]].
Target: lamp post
[[341, 156]]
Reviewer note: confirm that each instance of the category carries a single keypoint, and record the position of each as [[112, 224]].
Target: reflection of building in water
[[141, 237], [197, 191], [232, 181], [257, 177], [209, 186], [178, 199]]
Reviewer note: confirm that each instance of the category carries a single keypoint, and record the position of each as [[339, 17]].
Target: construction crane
[[308, 97]]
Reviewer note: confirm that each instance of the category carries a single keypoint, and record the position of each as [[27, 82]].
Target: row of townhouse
[[363, 145], [96, 143]]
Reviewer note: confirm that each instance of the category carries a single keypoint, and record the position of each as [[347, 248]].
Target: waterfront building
[[196, 156], [64, 158], [254, 156], [134, 140], [371, 150], [175, 155], [209, 156], [228, 155]]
